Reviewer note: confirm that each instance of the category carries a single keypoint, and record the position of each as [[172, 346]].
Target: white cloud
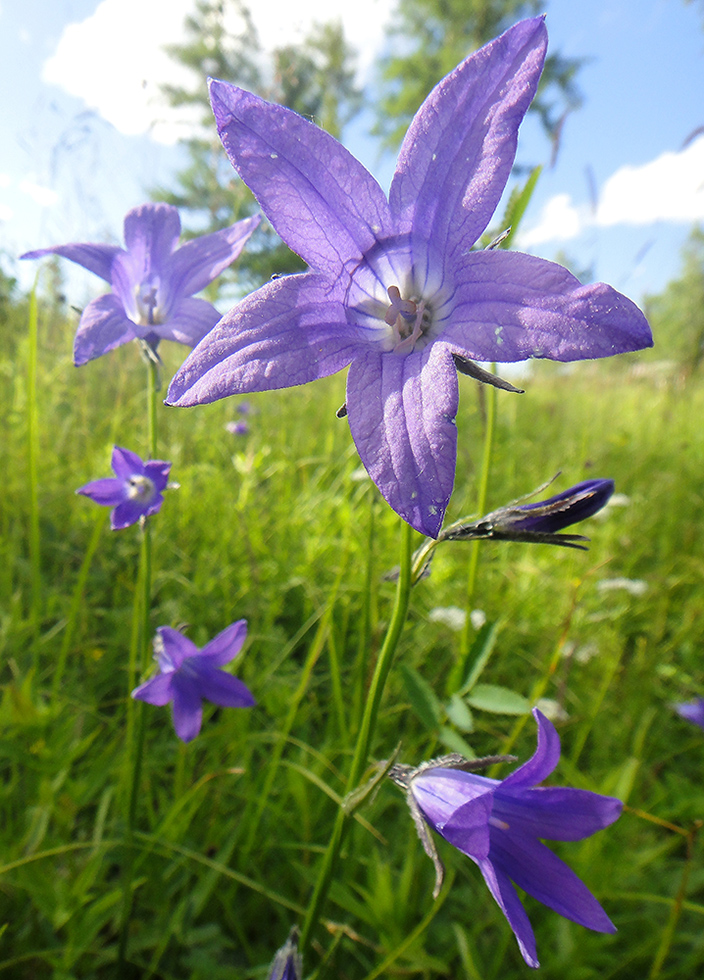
[[669, 188], [114, 60], [6, 213], [44, 196]]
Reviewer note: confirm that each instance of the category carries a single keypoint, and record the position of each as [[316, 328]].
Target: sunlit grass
[[274, 527]]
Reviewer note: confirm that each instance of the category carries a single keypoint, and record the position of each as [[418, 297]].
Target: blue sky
[[78, 144]]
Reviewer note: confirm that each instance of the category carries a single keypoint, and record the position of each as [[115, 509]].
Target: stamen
[[500, 824], [140, 488], [399, 307]]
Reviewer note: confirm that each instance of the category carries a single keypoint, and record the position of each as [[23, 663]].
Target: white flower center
[[146, 295], [140, 488]]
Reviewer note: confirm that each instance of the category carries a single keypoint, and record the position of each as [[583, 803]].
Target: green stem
[[364, 738], [489, 427], [139, 661], [33, 456]]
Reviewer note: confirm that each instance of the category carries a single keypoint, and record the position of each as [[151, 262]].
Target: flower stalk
[[365, 736]]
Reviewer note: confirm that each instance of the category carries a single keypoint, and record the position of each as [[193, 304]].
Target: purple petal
[[109, 492], [151, 234], [566, 508], [94, 257], [439, 792], [540, 873], [468, 827], [402, 417], [226, 645], [125, 463], [222, 688], [689, 710], [201, 260], [189, 321], [458, 152], [158, 472], [156, 691], [510, 306], [286, 333], [103, 326], [508, 901], [542, 763], [172, 648], [187, 708], [556, 813], [318, 197], [126, 514]]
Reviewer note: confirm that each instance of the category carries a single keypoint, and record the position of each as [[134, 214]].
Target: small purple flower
[[237, 428], [541, 521], [287, 963], [499, 824], [152, 281], [691, 711], [189, 675], [135, 491], [396, 289]]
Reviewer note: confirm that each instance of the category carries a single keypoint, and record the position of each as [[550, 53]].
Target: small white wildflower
[[451, 616], [636, 586], [477, 618], [552, 709]]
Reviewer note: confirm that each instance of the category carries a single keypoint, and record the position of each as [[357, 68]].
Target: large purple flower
[[152, 281], [135, 491], [394, 288], [499, 824], [189, 675]]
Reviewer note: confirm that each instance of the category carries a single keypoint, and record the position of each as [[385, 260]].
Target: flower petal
[[441, 791], [103, 326], [155, 691], [324, 204], [468, 827], [510, 306], [508, 901], [543, 761], [226, 645], [94, 257], [402, 417], [287, 333], [222, 688], [151, 234], [554, 813], [108, 492], [125, 463], [187, 707], [158, 472], [458, 152], [189, 322], [542, 874], [126, 514], [172, 648], [202, 259]]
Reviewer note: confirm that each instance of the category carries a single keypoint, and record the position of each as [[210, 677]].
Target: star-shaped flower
[[135, 491], [189, 676], [499, 824], [395, 290], [152, 281]]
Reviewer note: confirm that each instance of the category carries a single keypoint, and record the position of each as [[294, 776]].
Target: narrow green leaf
[[454, 741], [498, 700], [459, 714], [422, 698], [517, 204], [482, 649]]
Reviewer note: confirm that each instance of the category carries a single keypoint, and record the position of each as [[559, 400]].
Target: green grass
[[277, 527]]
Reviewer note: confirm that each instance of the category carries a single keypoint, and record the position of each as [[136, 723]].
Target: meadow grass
[[281, 527]]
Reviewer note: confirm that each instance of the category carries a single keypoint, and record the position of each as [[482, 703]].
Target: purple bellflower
[[189, 675], [691, 711], [395, 289], [152, 281], [135, 491], [539, 522], [499, 824], [287, 963]]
